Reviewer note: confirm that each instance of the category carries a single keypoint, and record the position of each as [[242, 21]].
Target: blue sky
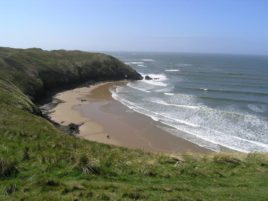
[[209, 26]]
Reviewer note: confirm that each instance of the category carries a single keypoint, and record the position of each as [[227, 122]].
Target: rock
[[73, 128], [168, 189], [78, 187], [177, 159], [147, 77], [52, 183]]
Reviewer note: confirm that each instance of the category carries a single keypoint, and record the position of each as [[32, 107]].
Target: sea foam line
[[169, 94], [175, 105], [172, 70], [149, 60], [135, 62], [137, 88]]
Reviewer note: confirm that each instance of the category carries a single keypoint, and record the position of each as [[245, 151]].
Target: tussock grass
[[86, 167], [7, 168]]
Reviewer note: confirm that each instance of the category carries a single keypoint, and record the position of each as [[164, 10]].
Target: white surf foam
[[154, 118], [135, 62], [169, 94], [162, 102], [180, 121], [157, 79], [148, 60], [205, 126], [131, 85], [141, 65], [172, 70], [213, 137], [184, 65]]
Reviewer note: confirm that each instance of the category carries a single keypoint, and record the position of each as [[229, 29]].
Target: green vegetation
[[39, 162], [36, 72]]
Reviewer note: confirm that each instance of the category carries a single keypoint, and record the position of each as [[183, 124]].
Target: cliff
[[35, 72]]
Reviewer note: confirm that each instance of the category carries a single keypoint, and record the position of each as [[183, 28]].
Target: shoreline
[[105, 120]]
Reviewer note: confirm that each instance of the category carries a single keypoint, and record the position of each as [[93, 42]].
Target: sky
[[198, 26]]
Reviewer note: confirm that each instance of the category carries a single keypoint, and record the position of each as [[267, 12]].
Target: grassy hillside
[[35, 71], [38, 162]]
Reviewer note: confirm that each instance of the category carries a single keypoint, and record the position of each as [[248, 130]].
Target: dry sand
[[106, 120]]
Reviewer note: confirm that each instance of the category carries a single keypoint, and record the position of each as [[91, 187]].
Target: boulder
[[73, 128], [147, 77]]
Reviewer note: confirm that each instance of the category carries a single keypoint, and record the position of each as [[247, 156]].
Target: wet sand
[[106, 120]]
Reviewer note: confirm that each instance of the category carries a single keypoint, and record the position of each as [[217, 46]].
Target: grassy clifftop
[[38, 162], [36, 71]]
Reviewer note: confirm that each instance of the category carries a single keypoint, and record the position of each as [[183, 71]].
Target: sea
[[215, 101]]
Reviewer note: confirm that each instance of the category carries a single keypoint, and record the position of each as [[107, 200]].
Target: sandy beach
[[103, 119]]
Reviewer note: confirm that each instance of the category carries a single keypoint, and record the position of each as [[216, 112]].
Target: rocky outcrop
[[147, 77]]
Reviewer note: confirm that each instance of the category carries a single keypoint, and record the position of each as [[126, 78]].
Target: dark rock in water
[[147, 77], [156, 78]]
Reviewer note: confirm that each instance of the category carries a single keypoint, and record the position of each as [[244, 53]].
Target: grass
[[39, 162]]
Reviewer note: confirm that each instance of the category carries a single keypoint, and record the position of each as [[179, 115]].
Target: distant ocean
[[215, 100]]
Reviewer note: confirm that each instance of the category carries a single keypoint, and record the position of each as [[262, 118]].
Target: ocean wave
[[203, 125], [131, 85], [184, 65], [172, 70], [256, 108], [154, 118], [223, 75], [167, 89], [217, 139], [148, 60], [180, 121], [141, 65], [154, 115], [232, 100], [220, 90], [162, 102], [223, 78], [157, 79], [252, 142], [135, 62], [169, 94], [211, 102], [228, 84]]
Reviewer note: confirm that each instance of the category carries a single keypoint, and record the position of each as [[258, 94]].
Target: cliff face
[[36, 71]]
